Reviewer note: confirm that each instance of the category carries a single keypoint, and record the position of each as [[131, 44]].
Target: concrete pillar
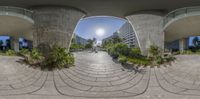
[[14, 43], [183, 44], [29, 44], [54, 25], [148, 29]]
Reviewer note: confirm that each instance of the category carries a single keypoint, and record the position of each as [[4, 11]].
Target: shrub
[[36, 54], [159, 60], [114, 54], [186, 52], [122, 59], [139, 61], [10, 52], [118, 49], [24, 52], [58, 58], [121, 48], [169, 58], [135, 52], [32, 57], [154, 51], [75, 47]]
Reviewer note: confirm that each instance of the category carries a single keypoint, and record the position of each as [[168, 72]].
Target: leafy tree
[[196, 41], [90, 43], [1, 44], [116, 39]]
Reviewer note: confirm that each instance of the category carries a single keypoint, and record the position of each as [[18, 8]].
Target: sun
[[100, 32]]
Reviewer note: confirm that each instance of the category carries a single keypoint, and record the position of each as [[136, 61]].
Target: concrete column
[[183, 44], [14, 43], [54, 25], [29, 44], [148, 29]]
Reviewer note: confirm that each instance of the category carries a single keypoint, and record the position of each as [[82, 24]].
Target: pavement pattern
[[96, 75]]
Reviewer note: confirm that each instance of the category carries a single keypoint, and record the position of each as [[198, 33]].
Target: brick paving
[[96, 75]]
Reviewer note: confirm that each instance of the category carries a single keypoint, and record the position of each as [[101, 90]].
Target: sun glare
[[100, 32]]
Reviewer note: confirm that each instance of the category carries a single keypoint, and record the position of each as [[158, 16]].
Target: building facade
[[79, 40], [128, 35]]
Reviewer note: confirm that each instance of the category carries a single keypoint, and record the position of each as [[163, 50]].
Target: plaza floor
[[96, 75]]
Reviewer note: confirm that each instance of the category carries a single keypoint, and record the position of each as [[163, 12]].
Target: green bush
[[186, 52], [121, 48], [154, 51], [135, 52], [139, 61], [24, 52], [159, 60], [169, 58], [118, 49], [36, 54], [122, 59], [197, 51], [113, 53], [75, 47], [58, 58], [33, 57], [10, 52]]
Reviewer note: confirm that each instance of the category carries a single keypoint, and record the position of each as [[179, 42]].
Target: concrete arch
[[15, 21], [182, 23], [148, 30], [119, 18]]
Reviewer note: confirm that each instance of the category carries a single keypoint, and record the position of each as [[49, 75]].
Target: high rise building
[[79, 40], [128, 35]]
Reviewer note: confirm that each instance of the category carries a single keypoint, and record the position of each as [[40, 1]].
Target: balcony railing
[[16, 10], [180, 12]]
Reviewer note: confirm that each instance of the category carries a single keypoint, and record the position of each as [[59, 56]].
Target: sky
[[4, 38], [191, 39], [98, 27]]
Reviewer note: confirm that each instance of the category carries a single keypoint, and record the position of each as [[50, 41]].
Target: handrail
[[181, 11], [17, 10]]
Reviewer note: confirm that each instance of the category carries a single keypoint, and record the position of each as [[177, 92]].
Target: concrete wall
[[14, 43], [54, 25], [148, 29], [183, 44]]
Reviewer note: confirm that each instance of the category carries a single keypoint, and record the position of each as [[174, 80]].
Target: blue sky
[[191, 39], [87, 27]]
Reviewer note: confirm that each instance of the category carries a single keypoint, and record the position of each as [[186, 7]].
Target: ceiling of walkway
[[183, 28], [15, 26], [119, 8]]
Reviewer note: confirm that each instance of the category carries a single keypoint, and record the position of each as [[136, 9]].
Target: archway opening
[[191, 43], [13, 43], [98, 30]]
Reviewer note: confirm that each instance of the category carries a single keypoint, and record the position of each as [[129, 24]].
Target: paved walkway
[[95, 75]]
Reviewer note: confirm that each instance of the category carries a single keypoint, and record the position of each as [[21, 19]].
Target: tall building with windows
[[128, 35], [79, 40]]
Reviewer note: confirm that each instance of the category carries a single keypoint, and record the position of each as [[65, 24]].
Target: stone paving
[[96, 75]]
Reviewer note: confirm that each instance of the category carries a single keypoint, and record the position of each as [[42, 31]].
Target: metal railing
[[179, 12], [17, 10]]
